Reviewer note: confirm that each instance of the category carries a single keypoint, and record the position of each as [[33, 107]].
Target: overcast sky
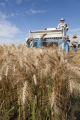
[[17, 17]]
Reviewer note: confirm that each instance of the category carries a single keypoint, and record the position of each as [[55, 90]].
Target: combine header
[[42, 37]]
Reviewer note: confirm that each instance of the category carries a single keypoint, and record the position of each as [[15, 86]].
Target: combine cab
[[45, 37]]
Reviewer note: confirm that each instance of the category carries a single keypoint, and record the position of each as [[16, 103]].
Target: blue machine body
[[38, 43]]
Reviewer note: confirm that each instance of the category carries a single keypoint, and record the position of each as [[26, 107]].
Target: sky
[[17, 17]]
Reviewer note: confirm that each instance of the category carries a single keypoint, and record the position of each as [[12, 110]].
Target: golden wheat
[[36, 83]]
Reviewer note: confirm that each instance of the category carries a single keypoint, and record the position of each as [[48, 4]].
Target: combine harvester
[[42, 37]]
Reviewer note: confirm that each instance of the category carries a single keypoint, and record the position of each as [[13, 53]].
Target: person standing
[[62, 26], [74, 43]]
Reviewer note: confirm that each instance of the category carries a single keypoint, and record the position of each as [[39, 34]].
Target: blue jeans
[[66, 46]]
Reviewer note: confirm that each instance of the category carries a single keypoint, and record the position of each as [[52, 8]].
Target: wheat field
[[39, 84]]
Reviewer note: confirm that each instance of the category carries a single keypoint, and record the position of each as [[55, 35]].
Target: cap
[[62, 19]]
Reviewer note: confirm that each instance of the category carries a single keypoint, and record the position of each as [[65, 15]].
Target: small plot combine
[[47, 37], [38, 84]]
